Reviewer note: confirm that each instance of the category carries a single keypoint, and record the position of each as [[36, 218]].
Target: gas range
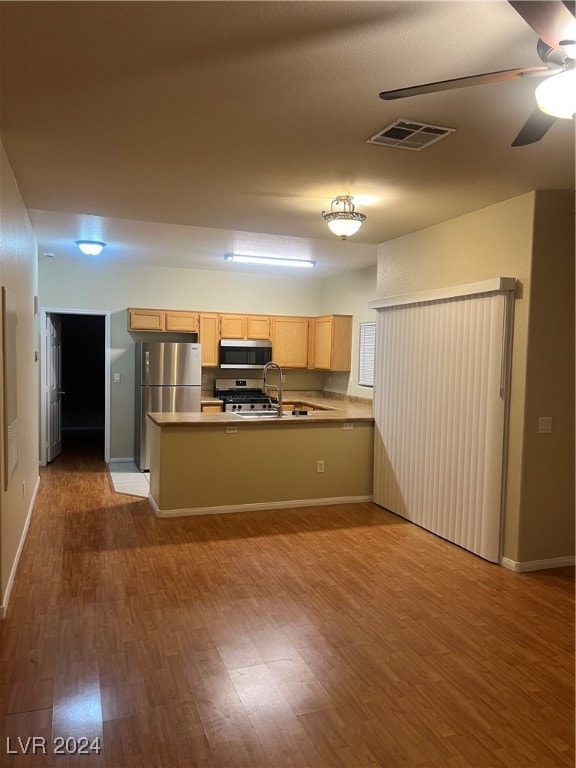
[[243, 395]]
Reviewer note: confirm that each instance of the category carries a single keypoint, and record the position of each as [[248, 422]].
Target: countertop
[[341, 411]]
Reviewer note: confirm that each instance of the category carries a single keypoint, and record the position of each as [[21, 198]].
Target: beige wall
[[498, 241], [18, 273], [350, 294], [97, 285], [547, 493]]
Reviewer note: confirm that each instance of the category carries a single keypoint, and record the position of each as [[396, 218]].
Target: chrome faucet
[[278, 387]]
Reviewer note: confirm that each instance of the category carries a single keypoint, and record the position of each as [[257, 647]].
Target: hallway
[[324, 636]]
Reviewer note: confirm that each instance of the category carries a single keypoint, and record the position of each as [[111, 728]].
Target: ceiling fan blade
[[459, 82], [552, 20], [534, 128]]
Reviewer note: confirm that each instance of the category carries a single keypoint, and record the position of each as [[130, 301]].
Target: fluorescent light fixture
[[90, 247], [271, 261]]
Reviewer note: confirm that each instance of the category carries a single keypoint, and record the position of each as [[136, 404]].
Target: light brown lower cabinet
[[210, 408]]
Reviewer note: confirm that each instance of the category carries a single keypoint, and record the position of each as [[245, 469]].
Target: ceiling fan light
[[346, 222], [556, 96], [569, 47], [90, 247]]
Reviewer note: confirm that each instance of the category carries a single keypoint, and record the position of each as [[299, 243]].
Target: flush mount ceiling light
[[345, 222], [268, 260], [90, 247]]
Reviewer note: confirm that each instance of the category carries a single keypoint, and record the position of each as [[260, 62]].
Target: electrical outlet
[[319, 466], [116, 378], [283, 379], [231, 430], [347, 426]]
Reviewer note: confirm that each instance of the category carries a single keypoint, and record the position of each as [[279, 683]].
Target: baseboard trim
[[538, 565], [256, 506], [127, 460], [6, 599]]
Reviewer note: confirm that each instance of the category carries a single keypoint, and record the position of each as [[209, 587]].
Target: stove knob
[[251, 406], [234, 406], [239, 406]]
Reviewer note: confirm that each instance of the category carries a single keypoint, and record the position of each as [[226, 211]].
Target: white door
[[54, 381]]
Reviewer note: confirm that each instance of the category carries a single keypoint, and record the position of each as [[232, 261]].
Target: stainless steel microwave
[[245, 353]]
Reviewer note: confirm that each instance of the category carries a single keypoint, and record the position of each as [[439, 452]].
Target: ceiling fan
[[554, 23]]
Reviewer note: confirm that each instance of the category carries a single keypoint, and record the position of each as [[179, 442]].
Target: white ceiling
[[178, 131]]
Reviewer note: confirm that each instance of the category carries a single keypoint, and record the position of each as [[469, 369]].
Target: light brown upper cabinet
[[171, 320], [290, 341], [257, 327], [146, 319], [320, 343], [233, 326], [332, 343], [181, 322], [209, 339]]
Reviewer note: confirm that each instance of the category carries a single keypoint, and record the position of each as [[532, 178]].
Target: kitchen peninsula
[[202, 463]]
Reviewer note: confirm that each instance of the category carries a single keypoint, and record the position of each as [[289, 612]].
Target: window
[[366, 354]]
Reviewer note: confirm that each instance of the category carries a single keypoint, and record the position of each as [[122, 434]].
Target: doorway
[[75, 401]]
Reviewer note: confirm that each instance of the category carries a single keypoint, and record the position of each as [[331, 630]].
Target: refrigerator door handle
[[146, 366]]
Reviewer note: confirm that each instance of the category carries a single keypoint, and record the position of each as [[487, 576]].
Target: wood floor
[[332, 636]]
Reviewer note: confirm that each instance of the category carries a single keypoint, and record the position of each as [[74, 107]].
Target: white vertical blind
[[440, 411]]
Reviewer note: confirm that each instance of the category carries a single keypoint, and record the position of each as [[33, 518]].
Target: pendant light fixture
[[346, 221]]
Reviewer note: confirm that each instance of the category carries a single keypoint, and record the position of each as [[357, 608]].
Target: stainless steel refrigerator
[[168, 380]]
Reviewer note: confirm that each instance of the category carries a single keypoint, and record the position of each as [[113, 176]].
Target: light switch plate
[[544, 424]]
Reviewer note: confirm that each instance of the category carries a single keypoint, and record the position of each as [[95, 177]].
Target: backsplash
[[295, 379]]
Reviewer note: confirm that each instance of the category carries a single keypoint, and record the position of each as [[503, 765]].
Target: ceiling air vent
[[406, 134]]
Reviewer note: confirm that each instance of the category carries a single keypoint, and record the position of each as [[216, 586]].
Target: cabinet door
[[182, 322], [211, 409], [209, 339], [333, 343], [146, 320], [257, 327], [341, 351], [323, 339], [290, 341], [232, 326]]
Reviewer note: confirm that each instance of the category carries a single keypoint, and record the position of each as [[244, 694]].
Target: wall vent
[[407, 134]]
